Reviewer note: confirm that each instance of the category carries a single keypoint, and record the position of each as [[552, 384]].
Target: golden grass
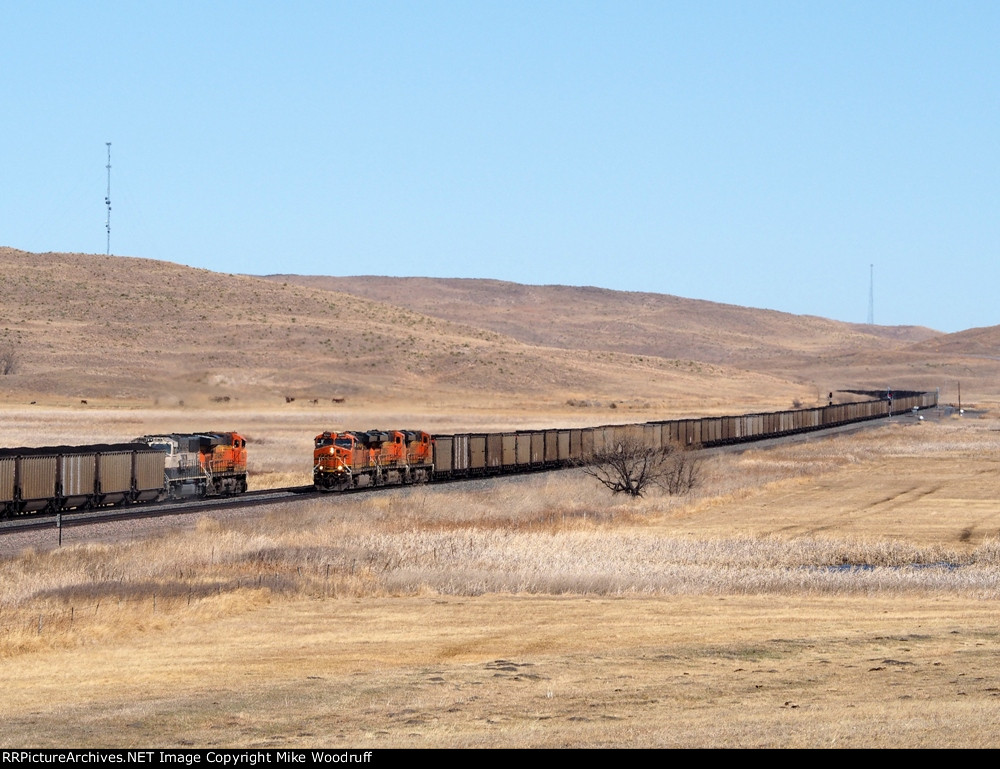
[[739, 671], [837, 592]]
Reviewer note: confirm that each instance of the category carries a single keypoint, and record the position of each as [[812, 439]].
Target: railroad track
[[37, 521], [47, 520]]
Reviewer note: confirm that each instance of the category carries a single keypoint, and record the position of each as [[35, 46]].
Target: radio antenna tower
[[107, 201], [871, 295]]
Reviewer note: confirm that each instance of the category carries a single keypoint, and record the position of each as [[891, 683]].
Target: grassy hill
[[813, 353], [138, 331], [570, 317]]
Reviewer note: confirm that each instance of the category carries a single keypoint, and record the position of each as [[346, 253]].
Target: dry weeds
[[836, 592]]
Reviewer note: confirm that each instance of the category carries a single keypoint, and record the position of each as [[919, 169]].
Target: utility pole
[[107, 201]]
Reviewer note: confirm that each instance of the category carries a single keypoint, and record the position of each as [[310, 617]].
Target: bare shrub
[[682, 473], [631, 467], [8, 359]]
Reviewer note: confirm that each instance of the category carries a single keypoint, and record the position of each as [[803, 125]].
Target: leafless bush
[[8, 359], [631, 467], [682, 473]]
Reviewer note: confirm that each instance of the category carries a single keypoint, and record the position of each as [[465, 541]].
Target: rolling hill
[[569, 317], [137, 331]]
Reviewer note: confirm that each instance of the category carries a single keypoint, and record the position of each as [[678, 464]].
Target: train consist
[[351, 459], [354, 459], [180, 465], [150, 468]]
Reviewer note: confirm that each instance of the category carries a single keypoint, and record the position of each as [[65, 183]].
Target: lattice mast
[[107, 201]]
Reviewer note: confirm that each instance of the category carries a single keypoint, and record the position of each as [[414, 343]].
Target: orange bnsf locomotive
[[354, 459], [201, 464]]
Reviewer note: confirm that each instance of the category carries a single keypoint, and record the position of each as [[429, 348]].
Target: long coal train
[[354, 459], [57, 478]]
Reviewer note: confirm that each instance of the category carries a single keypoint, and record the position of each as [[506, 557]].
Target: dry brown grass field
[[839, 592], [836, 592]]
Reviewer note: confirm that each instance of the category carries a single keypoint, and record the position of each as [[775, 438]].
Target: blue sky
[[763, 154]]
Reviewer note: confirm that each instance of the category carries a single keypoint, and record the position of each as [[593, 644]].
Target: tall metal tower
[[107, 201], [871, 295]]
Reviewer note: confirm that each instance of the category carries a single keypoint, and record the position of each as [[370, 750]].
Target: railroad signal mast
[[107, 201]]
